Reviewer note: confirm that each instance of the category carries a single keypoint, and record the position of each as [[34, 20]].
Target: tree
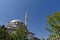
[[54, 23], [20, 33], [54, 37], [54, 26], [4, 35]]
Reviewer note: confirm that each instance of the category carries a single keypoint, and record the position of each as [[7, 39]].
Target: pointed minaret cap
[[26, 19]]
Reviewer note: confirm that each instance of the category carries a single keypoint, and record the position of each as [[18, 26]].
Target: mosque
[[12, 25]]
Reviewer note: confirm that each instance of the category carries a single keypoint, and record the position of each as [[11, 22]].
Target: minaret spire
[[26, 19]]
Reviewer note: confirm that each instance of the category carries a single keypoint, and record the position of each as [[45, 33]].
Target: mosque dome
[[16, 20]]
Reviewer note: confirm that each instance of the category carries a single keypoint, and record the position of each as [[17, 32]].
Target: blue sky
[[38, 10]]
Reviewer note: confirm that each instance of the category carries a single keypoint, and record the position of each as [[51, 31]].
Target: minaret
[[26, 19]]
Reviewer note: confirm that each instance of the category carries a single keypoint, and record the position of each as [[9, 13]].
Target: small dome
[[16, 20]]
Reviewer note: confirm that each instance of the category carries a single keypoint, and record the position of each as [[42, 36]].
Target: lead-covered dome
[[16, 20]]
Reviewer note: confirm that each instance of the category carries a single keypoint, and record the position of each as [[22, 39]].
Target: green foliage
[[54, 37], [20, 33], [4, 35], [54, 23], [54, 26]]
